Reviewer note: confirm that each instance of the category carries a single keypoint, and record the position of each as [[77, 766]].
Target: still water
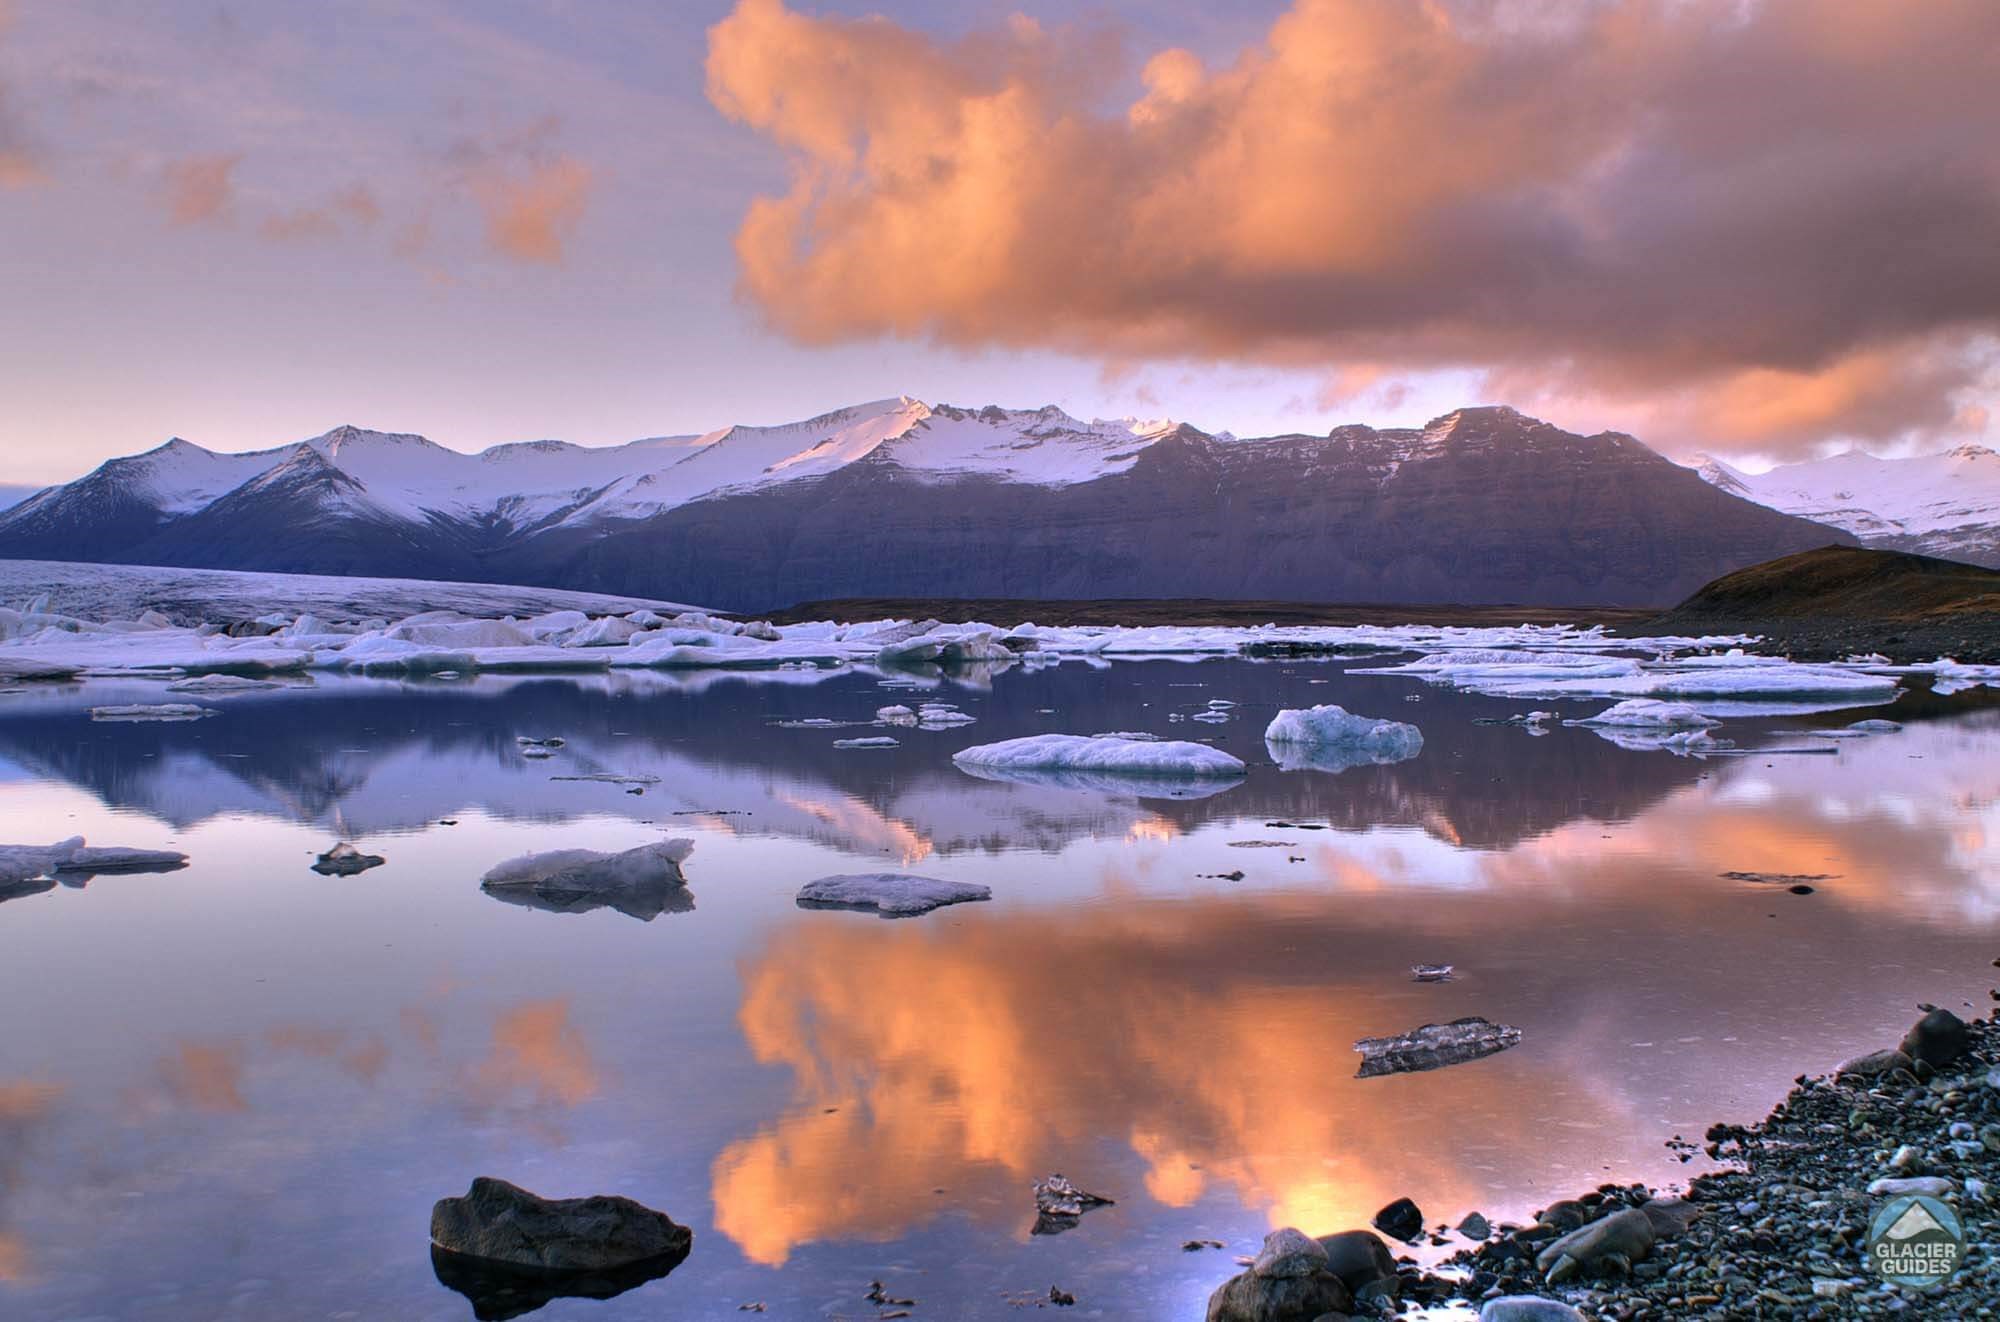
[[235, 1090]]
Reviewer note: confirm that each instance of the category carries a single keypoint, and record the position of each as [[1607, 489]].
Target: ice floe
[[1650, 714], [889, 894], [1331, 738], [175, 625], [151, 711], [74, 857], [564, 875], [1080, 752]]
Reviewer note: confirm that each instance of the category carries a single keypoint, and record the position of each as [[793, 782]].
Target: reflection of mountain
[[364, 756]]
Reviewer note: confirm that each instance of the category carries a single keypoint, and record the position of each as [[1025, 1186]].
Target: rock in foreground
[[510, 1252], [1289, 1281], [1434, 1046], [502, 1223], [890, 894]]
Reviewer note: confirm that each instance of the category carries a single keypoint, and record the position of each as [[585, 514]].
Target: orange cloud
[[18, 166], [206, 1076], [199, 189], [354, 205], [532, 214], [1691, 198]]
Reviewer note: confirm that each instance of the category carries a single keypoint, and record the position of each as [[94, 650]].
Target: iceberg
[[1649, 714], [1088, 753], [1331, 738], [1434, 1046], [567, 873], [888, 894], [156, 711], [72, 857]]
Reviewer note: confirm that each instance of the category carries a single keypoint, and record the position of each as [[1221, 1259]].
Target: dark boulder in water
[[510, 1252], [1402, 1219]]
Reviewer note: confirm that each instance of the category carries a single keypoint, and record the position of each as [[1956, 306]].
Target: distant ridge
[[1838, 600], [899, 498], [1936, 504]]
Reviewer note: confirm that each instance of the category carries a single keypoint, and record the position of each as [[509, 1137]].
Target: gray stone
[[1877, 1064], [498, 1222], [1936, 1186], [1251, 1298], [1402, 1219], [1361, 1260], [1475, 1226], [1527, 1308], [1289, 1252], [1937, 1039], [1612, 1243]]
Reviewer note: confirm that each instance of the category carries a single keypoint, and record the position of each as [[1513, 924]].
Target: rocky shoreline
[[1781, 1232]]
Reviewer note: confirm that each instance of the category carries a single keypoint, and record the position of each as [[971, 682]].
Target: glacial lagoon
[[235, 1090]]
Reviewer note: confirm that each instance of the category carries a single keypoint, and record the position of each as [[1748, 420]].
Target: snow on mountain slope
[[531, 484], [12, 496], [1940, 504]]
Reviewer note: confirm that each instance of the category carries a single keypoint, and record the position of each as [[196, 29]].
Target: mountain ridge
[[1945, 504], [896, 497]]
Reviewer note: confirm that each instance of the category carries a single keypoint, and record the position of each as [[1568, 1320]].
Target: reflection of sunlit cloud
[[24, 1107], [537, 1052], [361, 1061], [981, 1055], [1152, 828], [205, 1076]]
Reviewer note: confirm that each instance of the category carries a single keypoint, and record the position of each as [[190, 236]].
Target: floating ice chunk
[[221, 686], [895, 715], [873, 741], [610, 631], [1659, 739], [1876, 726], [1075, 752], [1650, 713], [73, 856], [460, 633], [588, 870], [946, 646], [1434, 1046], [1331, 738], [889, 894], [1140, 735], [155, 711]]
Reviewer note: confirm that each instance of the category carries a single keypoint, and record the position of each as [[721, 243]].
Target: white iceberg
[[589, 871], [220, 686], [1650, 714], [1077, 752], [151, 711], [1331, 738], [73, 856], [889, 894], [872, 741]]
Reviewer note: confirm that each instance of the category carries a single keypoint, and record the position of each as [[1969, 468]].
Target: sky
[[1761, 228]]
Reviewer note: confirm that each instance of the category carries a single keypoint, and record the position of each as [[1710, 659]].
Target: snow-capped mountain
[[1938, 504], [898, 497]]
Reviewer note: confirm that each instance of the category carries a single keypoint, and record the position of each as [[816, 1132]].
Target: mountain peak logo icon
[[1916, 1240]]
